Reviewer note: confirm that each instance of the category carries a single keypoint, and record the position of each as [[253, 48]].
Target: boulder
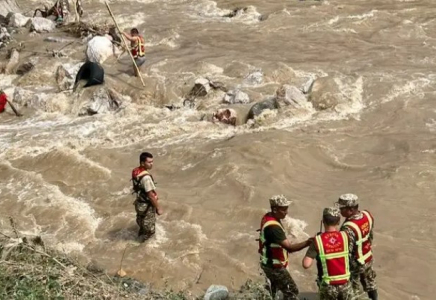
[[99, 49], [325, 93], [39, 25], [290, 95], [200, 89], [27, 66], [12, 63], [236, 97], [18, 20], [259, 107], [254, 78], [8, 6], [216, 292], [102, 101], [5, 37]]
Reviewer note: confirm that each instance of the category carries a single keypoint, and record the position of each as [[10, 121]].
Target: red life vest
[[3, 102], [271, 253], [138, 49], [137, 174], [333, 252], [362, 229]]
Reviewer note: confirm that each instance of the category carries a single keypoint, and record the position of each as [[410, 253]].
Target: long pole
[[125, 44], [14, 109]]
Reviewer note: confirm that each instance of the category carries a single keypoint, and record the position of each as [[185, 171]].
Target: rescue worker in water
[[274, 248], [137, 47], [147, 201], [332, 250]]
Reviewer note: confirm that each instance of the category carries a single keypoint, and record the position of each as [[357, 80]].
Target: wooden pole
[[125, 44], [14, 109]]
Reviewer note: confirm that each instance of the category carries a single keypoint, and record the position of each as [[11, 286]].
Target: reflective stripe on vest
[[264, 258], [139, 50], [361, 258], [326, 277]]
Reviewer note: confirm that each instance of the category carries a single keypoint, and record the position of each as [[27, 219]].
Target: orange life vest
[[138, 49], [332, 248], [137, 175], [271, 253], [362, 229]]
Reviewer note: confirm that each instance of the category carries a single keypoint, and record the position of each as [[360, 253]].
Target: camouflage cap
[[279, 200], [331, 211], [347, 200]]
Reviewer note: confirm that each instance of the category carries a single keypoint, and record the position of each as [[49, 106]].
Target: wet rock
[[254, 78], [102, 101], [12, 63], [325, 93], [216, 292], [261, 106], [27, 66], [226, 116], [290, 95], [99, 49], [217, 85], [236, 97], [18, 20], [307, 87], [39, 25], [200, 89], [63, 78], [5, 37]]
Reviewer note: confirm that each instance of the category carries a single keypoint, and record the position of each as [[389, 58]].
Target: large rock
[[8, 6], [261, 106], [226, 116], [99, 49], [325, 93], [102, 101], [200, 89], [18, 20], [216, 292], [288, 95], [254, 78], [39, 24], [12, 63], [236, 97]]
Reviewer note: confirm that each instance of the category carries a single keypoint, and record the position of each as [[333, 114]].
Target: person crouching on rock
[[137, 47]]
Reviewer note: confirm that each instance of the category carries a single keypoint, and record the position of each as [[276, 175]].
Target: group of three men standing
[[343, 257]]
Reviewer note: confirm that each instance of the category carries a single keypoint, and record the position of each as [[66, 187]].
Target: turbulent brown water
[[67, 177]]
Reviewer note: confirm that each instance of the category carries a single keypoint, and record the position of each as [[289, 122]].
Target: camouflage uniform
[[336, 292], [145, 211], [280, 279], [363, 273], [146, 219]]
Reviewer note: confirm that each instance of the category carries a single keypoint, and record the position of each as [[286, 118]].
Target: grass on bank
[[31, 271]]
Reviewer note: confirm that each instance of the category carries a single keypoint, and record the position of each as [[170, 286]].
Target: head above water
[[348, 205], [331, 216], [279, 206], [146, 160], [134, 31]]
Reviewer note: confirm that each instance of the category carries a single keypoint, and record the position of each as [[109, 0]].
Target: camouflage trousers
[[336, 292], [282, 281], [146, 219], [364, 274]]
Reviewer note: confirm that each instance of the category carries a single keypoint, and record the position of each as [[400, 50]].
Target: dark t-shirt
[[274, 234]]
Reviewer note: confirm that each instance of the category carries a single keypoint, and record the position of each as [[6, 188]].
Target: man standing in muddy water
[[274, 248], [359, 227], [137, 48], [147, 201]]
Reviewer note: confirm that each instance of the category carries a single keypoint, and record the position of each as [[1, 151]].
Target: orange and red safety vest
[[333, 253], [362, 229], [138, 49], [271, 253]]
